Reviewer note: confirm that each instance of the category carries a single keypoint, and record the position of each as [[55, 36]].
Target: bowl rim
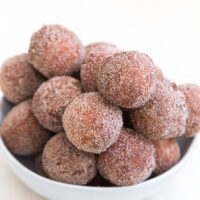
[[194, 143]]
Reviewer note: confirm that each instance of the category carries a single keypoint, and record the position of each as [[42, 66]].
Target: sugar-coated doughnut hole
[[164, 116], [55, 50], [91, 123], [63, 162], [18, 79], [95, 55], [167, 155], [127, 79], [129, 161], [51, 98], [21, 132]]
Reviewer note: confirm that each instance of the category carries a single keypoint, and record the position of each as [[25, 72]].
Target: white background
[[169, 31]]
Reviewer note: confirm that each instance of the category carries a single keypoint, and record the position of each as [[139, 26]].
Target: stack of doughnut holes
[[94, 115]]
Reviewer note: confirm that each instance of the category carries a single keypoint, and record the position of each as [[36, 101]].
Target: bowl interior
[[28, 161]]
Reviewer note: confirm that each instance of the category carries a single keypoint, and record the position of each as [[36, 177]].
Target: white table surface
[[169, 31]]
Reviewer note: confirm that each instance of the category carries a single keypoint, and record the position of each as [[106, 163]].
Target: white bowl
[[53, 190]]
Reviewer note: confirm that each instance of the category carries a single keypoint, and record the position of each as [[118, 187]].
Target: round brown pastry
[[21, 132], [127, 79], [159, 74], [38, 165], [95, 54], [18, 79], [55, 50], [167, 155], [129, 161], [164, 116], [63, 162], [91, 123], [51, 98], [192, 95]]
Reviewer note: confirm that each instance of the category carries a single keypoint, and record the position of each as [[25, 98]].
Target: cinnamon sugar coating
[[21, 132], [129, 161], [167, 155], [18, 79], [95, 54], [192, 95], [127, 79], [55, 50], [114, 115], [63, 162], [91, 123], [164, 116], [51, 99]]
